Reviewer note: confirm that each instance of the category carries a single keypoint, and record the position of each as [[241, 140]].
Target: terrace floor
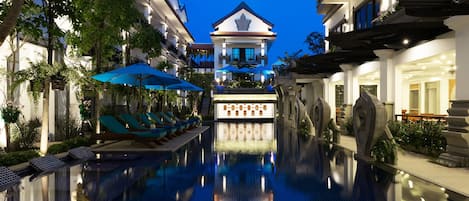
[[174, 144], [454, 179]]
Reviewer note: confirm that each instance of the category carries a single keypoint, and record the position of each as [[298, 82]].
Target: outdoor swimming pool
[[231, 162]]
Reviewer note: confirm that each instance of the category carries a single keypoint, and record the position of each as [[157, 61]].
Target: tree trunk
[[9, 22], [7, 132], [45, 95], [97, 99], [45, 118]]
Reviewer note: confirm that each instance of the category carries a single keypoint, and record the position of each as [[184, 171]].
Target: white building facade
[[241, 39], [168, 16]]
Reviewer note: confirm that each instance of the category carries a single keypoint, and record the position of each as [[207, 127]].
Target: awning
[[329, 63], [388, 36]]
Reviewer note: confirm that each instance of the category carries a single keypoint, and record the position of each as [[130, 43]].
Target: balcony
[[173, 49], [243, 62]]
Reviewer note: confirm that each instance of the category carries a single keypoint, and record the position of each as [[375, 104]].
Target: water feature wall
[[244, 106]]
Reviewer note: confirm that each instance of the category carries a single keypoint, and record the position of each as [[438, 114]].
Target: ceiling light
[[424, 67], [405, 41], [449, 62], [443, 57]]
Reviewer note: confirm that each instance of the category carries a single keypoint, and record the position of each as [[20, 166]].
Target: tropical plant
[[385, 151], [26, 133], [146, 38], [164, 65], [315, 41], [98, 27], [422, 137], [37, 74], [66, 128], [10, 113]]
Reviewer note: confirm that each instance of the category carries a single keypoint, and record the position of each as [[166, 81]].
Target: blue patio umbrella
[[260, 68], [229, 69], [137, 75], [184, 85], [245, 70]]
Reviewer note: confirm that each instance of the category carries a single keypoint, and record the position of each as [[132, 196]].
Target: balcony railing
[[173, 49]]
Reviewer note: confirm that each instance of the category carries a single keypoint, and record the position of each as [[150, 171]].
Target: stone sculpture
[[369, 122], [321, 116]]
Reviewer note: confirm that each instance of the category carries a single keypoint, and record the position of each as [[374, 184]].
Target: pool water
[[231, 162]]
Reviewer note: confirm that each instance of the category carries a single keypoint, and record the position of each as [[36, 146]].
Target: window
[[243, 54], [414, 98], [249, 54], [365, 14], [432, 95], [235, 53], [372, 89], [339, 95]]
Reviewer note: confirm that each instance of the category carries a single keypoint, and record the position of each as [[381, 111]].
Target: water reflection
[[247, 137], [244, 161]]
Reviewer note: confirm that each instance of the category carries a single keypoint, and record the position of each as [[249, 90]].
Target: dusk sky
[[293, 20]]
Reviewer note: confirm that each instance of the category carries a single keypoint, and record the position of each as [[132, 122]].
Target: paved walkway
[[454, 179], [172, 145]]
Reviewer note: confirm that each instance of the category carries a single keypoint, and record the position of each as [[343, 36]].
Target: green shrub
[[384, 151], [394, 127], [26, 133], [14, 158], [66, 129], [77, 142], [69, 144], [58, 148], [422, 137], [303, 128]]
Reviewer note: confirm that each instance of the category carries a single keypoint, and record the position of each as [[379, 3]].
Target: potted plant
[[10, 114], [58, 82]]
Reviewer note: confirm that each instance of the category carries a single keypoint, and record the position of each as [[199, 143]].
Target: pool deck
[[170, 146], [453, 179]]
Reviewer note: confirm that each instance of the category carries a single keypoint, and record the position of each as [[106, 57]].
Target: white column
[[457, 138], [386, 75], [461, 28], [351, 88], [223, 52], [387, 83], [329, 95], [400, 91]]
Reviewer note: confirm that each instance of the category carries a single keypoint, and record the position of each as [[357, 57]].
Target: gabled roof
[[241, 6]]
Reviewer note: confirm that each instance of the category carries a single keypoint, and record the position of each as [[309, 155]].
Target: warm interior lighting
[[411, 184], [405, 41], [262, 183], [224, 184]]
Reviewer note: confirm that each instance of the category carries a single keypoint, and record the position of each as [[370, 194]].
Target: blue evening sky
[[293, 20]]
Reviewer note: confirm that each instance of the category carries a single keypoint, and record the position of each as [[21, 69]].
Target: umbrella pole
[[165, 100]]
